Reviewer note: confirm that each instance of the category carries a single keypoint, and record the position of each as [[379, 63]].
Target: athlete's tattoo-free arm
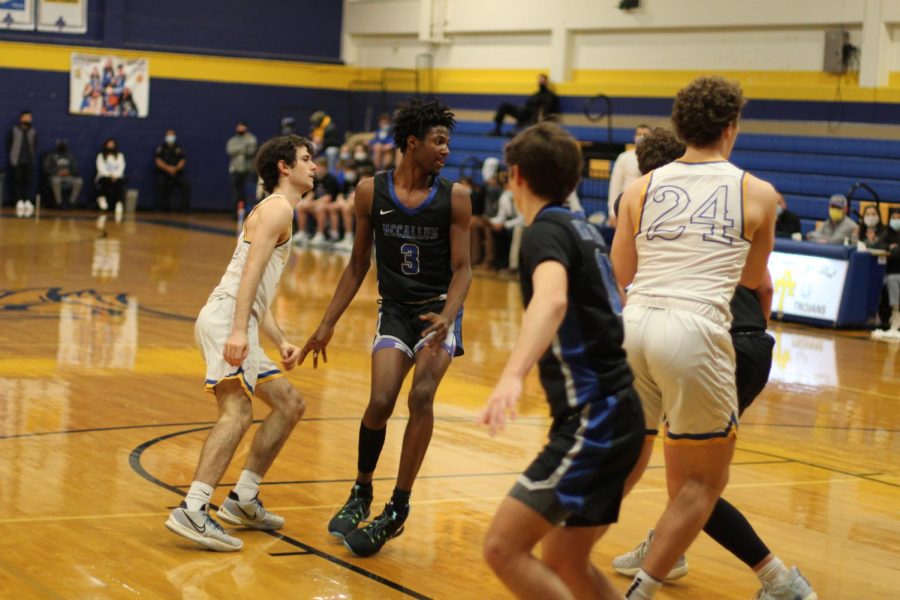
[[271, 220], [761, 214], [289, 352], [540, 323], [624, 249], [351, 278], [765, 292], [461, 215]]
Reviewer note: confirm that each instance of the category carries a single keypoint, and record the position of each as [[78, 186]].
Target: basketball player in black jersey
[[753, 360], [573, 329], [420, 226]]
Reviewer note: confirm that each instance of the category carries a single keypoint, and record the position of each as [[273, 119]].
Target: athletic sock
[[731, 530], [400, 502], [247, 486], [643, 587], [774, 573], [199, 495], [371, 441]]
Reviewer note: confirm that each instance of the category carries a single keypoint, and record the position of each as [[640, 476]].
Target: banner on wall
[[62, 16], [807, 286], [109, 86], [17, 14]]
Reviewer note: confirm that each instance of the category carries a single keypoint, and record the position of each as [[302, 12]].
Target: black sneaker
[[371, 538], [347, 519]]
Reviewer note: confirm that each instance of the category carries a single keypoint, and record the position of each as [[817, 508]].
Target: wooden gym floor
[[102, 415]]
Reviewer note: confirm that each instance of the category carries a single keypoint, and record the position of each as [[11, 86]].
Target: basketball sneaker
[[630, 563], [370, 539], [797, 588], [198, 526], [348, 518], [248, 514]]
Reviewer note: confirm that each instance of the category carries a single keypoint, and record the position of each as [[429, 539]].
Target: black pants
[[239, 189], [753, 354], [22, 181], [165, 187], [112, 189], [523, 115]]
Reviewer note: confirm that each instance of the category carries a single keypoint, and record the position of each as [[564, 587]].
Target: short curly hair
[[548, 158], [705, 108], [282, 147], [658, 148], [417, 118]]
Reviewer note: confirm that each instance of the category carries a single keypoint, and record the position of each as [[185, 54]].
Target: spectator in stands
[[316, 205], [625, 170], [892, 276], [539, 106], [787, 223], [341, 210], [480, 229], [324, 135], [382, 144], [361, 158], [170, 160], [839, 228], [509, 223], [21, 146], [241, 148], [110, 176], [61, 170], [872, 231]]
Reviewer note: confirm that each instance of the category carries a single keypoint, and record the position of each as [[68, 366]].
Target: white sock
[[198, 495], [774, 573], [644, 587], [247, 486]]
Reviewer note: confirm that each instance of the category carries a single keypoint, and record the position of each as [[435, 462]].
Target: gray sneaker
[[248, 514], [198, 526], [797, 588], [630, 563]]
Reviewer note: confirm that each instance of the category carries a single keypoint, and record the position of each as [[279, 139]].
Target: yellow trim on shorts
[[211, 387], [269, 378]]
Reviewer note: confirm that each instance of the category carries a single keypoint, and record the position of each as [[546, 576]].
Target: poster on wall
[[17, 14], [807, 286], [62, 16], [109, 86]]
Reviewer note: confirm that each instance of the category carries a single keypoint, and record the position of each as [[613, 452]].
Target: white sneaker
[[102, 203], [29, 208], [20, 208], [248, 514], [120, 210], [797, 588], [318, 240], [630, 563], [198, 526], [345, 244], [300, 238]]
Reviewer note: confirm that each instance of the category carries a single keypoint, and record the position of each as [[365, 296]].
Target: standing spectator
[[383, 146], [20, 147], [787, 223], [839, 228], [170, 161], [538, 107], [625, 170], [892, 277], [62, 171], [872, 231], [110, 176], [241, 149], [325, 136]]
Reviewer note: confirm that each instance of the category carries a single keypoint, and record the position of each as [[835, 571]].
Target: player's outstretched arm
[[624, 249], [460, 263], [540, 323], [351, 278]]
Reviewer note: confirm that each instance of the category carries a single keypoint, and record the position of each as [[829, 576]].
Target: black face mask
[[25, 124], [61, 148]]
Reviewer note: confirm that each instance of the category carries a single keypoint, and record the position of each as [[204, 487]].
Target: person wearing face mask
[[839, 227], [61, 170], [892, 277], [788, 223], [20, 148], [383, 144], [241, 148], [538, 107], [625, 170], [872, 230], [170, 160], [110, 176]]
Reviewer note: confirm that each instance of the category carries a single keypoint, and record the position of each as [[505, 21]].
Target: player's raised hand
[[502, 402], [290, 354], [317, 344], [236, 348], [435, 333]]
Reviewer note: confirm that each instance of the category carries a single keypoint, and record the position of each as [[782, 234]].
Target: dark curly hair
[[548, 158], [705, 108], [282, 147], [658, 148], [417, 118]]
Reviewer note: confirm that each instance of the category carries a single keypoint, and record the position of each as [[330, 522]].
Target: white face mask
[[350, 176], [778, 210], [360, 156], [895, 224], [871, 220], [170, 139]]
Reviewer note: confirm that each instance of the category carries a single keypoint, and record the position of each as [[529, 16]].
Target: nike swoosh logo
[[385, 212], [246, 514], [191, 521]]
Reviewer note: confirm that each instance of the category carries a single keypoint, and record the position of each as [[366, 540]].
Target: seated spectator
[[539, 106], [170, 160], [361, 158], [341, 210], [382, 144], [61, 170], [324, 134], [316, 205], [481, 231], [625, 170], [872, 231], [787, 223], [839, 228], [892, 276], [110, 179]]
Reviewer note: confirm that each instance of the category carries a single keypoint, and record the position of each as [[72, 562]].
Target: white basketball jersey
[[690, 237], [231, 280]]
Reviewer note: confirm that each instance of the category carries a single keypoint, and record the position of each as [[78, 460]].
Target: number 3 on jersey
[[410, 265]]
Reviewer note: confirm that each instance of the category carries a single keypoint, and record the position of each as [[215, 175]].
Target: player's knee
[[498, 553], [293, 406], [421, 398], [381, 406]]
